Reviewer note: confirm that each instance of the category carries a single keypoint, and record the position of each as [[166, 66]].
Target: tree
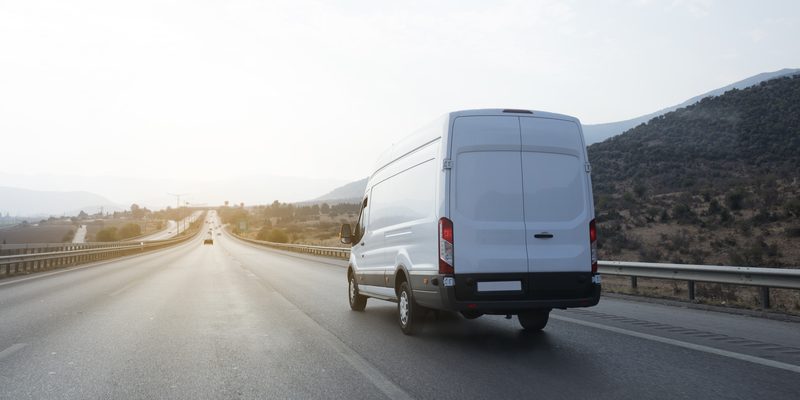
[[68, 236], [735, 200], [107, 235], [136, 211], [793, 207], [277, 236], [129, 231]]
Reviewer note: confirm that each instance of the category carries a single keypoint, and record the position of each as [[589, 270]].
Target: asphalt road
[[173, 228], [80, 234], [233, 320]]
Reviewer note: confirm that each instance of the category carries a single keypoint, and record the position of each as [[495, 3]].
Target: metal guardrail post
[[691, 290], [634, 282], [764, 296]]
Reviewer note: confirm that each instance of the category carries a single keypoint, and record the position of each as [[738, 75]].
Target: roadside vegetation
[[714, 183], [316, 224], [105, 227]]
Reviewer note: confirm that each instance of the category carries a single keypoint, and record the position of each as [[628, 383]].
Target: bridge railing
[[763, 278], [16, 259]]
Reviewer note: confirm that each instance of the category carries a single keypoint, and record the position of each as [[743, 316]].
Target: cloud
[[756, 35], [695, 8]]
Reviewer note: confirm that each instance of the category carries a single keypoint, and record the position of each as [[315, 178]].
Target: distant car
[[208, 241]]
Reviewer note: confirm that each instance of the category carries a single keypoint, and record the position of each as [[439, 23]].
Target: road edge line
[[687, 345]]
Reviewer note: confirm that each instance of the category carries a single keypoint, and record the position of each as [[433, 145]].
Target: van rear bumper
[[538, 290]]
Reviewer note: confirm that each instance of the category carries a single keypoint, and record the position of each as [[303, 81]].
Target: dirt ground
[[45, 233], [93, 227], [783, 300]]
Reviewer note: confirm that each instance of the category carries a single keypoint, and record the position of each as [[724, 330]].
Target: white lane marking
[[363, 366], [11, 350], [122, 289], [378, 379], [687, 345]]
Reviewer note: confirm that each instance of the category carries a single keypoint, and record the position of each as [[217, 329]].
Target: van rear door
[[486, 201], [557, 198]]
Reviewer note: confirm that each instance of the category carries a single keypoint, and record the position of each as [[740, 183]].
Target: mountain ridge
[[595, 133], [26, 202], [348, 193]]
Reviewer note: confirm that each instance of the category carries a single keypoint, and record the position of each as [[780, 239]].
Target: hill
[[153, 192], [715, 182], [24, 202], [352, 192], [596, 133]]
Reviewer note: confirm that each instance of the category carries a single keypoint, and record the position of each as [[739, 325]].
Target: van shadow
[[494, 349], [491, 333], [491, 344]]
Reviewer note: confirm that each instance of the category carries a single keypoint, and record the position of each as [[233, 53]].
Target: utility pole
[[178, 209]]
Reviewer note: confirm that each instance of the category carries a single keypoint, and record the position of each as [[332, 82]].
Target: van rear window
[[488, 185], [554, 186]]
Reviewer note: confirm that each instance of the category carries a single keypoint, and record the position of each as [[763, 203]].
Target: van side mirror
[[346, 235]]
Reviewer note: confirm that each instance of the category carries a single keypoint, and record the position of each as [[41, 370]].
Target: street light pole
[[178, 210]]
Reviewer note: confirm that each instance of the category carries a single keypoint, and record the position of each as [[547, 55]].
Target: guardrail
[[27, 258], [763, 278], [337, 252]]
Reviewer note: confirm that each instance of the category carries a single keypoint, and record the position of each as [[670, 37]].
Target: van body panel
[[486, 202], [370, 249], [404, 211], [557, 197]]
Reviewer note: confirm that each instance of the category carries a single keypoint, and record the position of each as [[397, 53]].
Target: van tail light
[[593, 243], [446, 247]]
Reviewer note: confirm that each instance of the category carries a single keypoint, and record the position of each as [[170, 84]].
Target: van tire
[[358, 302], [409, 313], [534, 320]]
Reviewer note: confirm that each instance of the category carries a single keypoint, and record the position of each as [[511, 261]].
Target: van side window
[[361, 224]]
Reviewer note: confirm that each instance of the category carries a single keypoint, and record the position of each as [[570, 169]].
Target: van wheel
[[410, 314], [358, 302], [534, 320]]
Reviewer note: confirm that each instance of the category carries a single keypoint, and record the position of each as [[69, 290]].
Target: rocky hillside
[[713, 183], [598, 132]]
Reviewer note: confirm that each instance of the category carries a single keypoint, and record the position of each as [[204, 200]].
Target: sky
[[318, 89]]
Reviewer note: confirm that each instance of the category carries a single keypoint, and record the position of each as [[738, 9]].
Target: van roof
[[512, 111], [435, 129]]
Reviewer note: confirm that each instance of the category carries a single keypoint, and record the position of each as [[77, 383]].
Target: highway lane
[[80, 234], [173, 228], [186, 323], [234, 320], [491, 357], [169, 232]]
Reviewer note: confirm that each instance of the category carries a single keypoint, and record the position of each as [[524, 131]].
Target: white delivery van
[[482, 212]]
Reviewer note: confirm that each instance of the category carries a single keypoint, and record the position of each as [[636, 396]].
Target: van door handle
[[543, 235]]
